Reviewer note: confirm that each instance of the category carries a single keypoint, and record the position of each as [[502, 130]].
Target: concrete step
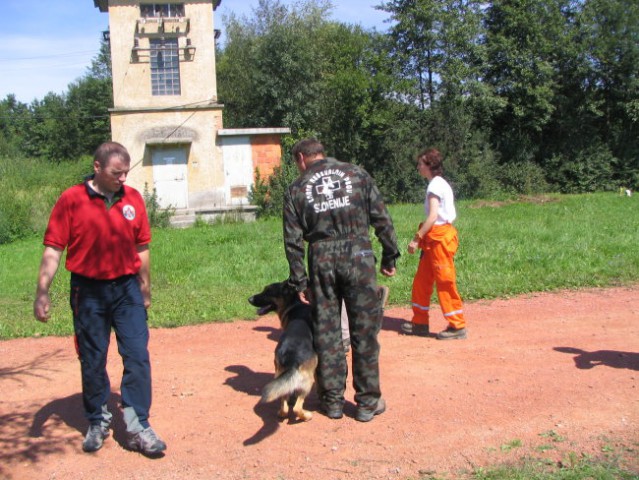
[[187, 217]]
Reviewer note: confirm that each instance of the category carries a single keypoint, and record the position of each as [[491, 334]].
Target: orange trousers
[[436, 267]]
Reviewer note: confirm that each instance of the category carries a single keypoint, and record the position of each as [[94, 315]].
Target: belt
[[95, 281], [337, 238]]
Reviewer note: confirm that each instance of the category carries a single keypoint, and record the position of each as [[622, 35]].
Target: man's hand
[[388, 272], [303, 298], [48, 266], [41, 306], [146, 295]]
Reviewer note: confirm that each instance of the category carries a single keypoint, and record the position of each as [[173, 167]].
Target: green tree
[[100, 67], [516, 93], [14, 117], [522, 39], [52, 133], [416, 47], [439, 59], [592, 139], [268, 71], [293, 67], [353, 102], [60, 127], [88, 101], [610, 32]]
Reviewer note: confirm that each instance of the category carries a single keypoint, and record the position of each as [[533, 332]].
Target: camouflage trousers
[[345, 270]]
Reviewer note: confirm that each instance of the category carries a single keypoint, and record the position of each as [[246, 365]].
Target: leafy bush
[[589, 170], [525, 178], [268, 194], [158, 217], [15, 217], [29, 189], [476, 173]]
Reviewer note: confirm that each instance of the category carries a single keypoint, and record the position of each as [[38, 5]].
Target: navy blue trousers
[[99, 306]]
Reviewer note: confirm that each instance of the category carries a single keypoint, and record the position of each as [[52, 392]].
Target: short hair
[[107, 150], [307, 147], [433, 159]]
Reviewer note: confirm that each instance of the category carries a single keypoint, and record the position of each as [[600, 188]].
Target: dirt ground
[[542, 375]]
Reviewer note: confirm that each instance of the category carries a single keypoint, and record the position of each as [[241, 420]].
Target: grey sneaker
[[146, 442], [334, 412], [94, 438], [367, 414], [452, 333], [419, 329]]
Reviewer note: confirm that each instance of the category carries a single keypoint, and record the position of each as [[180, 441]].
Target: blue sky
[[47, 44]]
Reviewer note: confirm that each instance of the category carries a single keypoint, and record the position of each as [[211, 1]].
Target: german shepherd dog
[[295, 358]]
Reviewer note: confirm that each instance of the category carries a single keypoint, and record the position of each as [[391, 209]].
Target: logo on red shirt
[[129, 212]]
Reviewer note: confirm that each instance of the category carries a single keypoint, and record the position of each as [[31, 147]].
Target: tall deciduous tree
[[88, 101], [52, 133], [100, 67], [416, 46], [268, 69], [14, 119], [522, 39], [610, 30], [61, 127], [291, 66]]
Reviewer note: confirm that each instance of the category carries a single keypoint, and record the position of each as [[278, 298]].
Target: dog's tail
[[288, 383]]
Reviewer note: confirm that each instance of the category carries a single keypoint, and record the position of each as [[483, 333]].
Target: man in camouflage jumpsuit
[[332, 205]]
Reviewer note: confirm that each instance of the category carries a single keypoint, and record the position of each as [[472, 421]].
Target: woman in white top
[[437, 238]]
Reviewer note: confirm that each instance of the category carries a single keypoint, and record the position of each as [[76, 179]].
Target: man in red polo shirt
[[104, 227]]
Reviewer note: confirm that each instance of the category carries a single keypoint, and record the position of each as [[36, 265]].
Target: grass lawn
[[206, 273]]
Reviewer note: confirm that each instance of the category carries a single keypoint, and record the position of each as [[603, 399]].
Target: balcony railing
[[139, 54], [162, 25]]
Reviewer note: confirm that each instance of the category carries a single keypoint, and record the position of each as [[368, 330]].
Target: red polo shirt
[[101, 242]]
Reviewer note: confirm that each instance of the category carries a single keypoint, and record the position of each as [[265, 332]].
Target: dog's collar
[[288, 309]]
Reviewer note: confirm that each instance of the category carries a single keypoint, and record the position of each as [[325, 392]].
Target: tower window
[[165, 66], [161, 10]]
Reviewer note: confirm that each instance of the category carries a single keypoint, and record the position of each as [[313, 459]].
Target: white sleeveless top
[[442, 190]]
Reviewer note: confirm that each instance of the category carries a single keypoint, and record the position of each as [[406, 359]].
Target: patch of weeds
[[507, 447], [545, 448], [200, 222], [573, 467], [158, 217], [428, 475], [553, 436]]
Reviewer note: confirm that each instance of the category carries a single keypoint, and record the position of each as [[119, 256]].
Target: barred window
[[155, 10], [165, 66]]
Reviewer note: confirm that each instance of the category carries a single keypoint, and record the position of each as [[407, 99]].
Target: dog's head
[[275, 297]]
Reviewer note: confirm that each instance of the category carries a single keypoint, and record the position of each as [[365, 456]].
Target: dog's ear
[[288, 290]]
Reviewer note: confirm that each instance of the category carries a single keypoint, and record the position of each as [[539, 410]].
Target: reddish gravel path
[[553, 373]]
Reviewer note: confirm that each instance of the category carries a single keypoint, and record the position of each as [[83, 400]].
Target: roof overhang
[[227, 132], [103, 5]]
